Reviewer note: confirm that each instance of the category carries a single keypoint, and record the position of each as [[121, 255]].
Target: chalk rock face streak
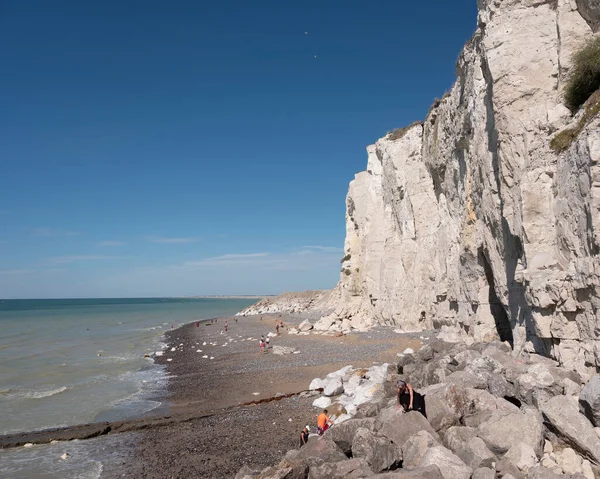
[[469, 223]]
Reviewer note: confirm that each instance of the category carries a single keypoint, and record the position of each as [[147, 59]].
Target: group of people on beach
[[264, 343], [408, 400]]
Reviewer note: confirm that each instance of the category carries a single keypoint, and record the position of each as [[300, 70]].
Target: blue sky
[[176, 148]]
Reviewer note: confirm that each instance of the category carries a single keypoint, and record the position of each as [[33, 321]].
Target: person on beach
[[323, 422], [225, 325], [262, 346], [304, 436], [268, 340], [409, 399], [277, 327]]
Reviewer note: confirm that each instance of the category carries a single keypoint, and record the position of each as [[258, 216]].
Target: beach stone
[[451, 466], [500, 387], [415, 448], [445, 405], [476, 454], [356, 468], [467, 379], [368, 391], [400, 427], [589, 400], [295, 469], [378, 374], [521, 455], [333, 387], [321, 448], [322, 402], [275, 473], [429, 472], [561, 413], [506, 468], [351, 385], [344, 372], [569, 461], [379, 452], [571, 388], [456, 437], [343, 434], [316, 383], [541, 472], [305, 325], [504, 428], [484, 473], [246, 472]]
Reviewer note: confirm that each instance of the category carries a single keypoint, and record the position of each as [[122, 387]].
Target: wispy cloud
[[325, 249], [22, 272], [226, 259], [47, 232], [14, 272], [298, 260], [112, 243], [88, 257], [160, 240]]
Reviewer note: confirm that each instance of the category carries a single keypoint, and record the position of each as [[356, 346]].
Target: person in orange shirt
[[323, 422]]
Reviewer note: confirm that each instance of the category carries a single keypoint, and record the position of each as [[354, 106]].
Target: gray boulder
[[468, 380], [343, 434], [294, 469], [445, 405], [561, 414], [500, 387], [522, 456], [400, 427], [456, 437], [321, 448], [451, 466], [429, 472], [415, 448], [349, 469], [380, 453], [476, 454], [589, 400], [275, 473], [484, 473], [246, 472], [540, 472], [506, 469], [503, 429]]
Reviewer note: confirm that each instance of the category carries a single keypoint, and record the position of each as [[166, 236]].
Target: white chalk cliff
[[469, 222]]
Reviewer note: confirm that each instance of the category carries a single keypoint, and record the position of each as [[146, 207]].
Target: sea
[[76, 361]]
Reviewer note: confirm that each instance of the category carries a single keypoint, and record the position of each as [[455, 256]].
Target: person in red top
[[323, 422]]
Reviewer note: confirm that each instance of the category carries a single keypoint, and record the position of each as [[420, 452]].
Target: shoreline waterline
[[79, 363]]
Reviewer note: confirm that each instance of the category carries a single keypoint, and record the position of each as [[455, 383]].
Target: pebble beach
[[245, 407]]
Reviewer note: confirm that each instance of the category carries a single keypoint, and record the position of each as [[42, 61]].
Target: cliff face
[[470, 223]]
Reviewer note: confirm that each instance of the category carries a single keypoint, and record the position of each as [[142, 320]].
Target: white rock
[[333, 387], [316, 383], [169, 359], [322, 402], [408, 351], [65, 456], [28, 444]]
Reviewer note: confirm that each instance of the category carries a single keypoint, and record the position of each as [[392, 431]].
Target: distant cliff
[[469, 222]]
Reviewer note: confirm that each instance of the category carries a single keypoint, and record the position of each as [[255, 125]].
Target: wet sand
[[216, 446]]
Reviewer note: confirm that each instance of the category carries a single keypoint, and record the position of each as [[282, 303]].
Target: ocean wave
[[31, 394], [45, 394]]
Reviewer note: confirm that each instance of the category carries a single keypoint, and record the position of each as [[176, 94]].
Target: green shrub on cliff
[[585, 75], [563, 139]]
